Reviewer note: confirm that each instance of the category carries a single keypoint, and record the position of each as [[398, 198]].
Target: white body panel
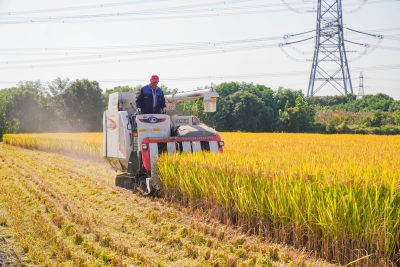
[[117, 138], [214, 146], [159, 129], [153, 153], [111, 121], [127, 101], [104, 135], [186, 147], [171, 147], [196, 146]]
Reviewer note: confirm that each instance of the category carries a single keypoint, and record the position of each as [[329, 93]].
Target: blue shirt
[[154, 91], [150, 101]]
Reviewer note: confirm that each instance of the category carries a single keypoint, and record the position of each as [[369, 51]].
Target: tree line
[[257, 108], [62, 105], [72, 106]]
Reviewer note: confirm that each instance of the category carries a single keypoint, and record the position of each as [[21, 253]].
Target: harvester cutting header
[[133, 141]]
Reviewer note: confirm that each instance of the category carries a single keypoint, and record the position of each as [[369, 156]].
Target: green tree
[[297, 118], [3, 118], [21, 108], [83, 105], [395, 106], [226, 89], [233, 106], [25, 111], [248, 112], [343, 127], [377, 119], [287, 98], [397, 117], [332, 125], [333, 100], [55, 101]]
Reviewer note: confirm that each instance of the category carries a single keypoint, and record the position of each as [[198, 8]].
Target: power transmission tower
[[329, 64], [361, 85]]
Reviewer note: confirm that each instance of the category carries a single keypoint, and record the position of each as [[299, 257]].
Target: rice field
[[60, 211], [336, 195], [84, 144]]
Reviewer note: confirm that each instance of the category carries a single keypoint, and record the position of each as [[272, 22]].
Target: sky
[[191, 44]]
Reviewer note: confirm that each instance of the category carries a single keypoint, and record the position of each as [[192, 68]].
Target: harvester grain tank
[[132, 142]]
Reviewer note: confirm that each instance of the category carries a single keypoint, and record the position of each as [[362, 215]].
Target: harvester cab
[[132, 142]]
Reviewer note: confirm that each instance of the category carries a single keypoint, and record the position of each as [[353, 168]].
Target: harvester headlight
[[221, 143], [144, 147]]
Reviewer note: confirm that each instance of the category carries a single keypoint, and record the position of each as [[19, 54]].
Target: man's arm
[[163, 106], [139, 99]]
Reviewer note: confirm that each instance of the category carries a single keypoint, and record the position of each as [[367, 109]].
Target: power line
[[192, 9], [78, 55], [77, 8], [171, 12], [243, 76], [112, 59], [130, 46], [153, 49], [356, 6], [156, 45], [141, 2], [108, 5]]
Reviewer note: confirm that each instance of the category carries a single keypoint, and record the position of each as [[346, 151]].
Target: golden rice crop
[[80, 143], [337, 195]]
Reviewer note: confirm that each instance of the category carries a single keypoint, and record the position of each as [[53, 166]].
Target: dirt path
[[57, 209]]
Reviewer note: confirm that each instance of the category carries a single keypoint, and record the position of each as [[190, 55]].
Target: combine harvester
[[132, 142]]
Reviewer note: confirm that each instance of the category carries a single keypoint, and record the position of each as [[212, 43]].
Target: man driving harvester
[[150, 99]]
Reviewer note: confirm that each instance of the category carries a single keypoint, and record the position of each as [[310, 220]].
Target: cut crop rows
[[68, 212]]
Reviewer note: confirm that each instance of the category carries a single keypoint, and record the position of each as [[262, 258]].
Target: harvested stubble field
[[336, 195], [57, 210]]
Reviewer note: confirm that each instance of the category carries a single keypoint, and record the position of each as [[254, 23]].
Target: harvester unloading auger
[[132, 142]]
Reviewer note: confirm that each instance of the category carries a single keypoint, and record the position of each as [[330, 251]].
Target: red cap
[[154, 78]]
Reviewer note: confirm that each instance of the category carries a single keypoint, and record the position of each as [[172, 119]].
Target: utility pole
[[361, 85], [329, 64]]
